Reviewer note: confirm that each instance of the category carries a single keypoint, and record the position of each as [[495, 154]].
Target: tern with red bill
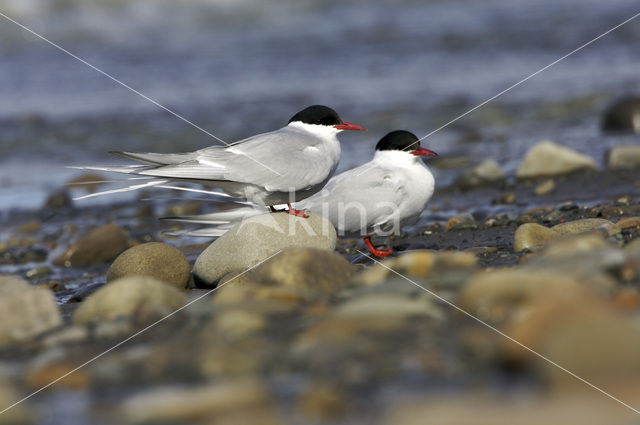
[[279, 167], [376, 198]]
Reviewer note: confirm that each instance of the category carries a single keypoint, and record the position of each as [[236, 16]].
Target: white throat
[[324, 131]]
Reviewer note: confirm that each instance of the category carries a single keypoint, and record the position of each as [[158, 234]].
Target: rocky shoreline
[[303, 333]]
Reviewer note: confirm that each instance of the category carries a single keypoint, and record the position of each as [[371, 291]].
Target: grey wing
[[360, 198], [278, 161]]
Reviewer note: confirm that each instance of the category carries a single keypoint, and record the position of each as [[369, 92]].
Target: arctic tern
[[279, 167]]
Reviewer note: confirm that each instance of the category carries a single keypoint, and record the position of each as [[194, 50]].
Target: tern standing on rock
[[378, 197], [279, 167]]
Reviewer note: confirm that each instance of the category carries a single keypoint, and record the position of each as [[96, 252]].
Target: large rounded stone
[[155, 259], [564, 328], [309, 268], [495, 294], [586, 225], [532, 235], [257, 238], [624, 157], [101, 245], [548, 158], [26, 311], [623, 116], [140, 295]]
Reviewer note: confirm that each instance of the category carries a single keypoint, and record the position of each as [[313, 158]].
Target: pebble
[[458, 223], [239, 323], [58, 200], [26, 311], [268, 299], [575, 245], [419, 264], [586, 225], [385, 306], [624, 157], [488, 408], [38, 272], [545, 188], [17, 415], [623, 116], [308, 268], [98, 246], [488, 172], [155, 259], [564, 328], [142, 296], [323, 401], [256, 239], [242, 400], [629, 223], [495, 295], [621, 210], [30, 227], [531, 236], [548, 158]]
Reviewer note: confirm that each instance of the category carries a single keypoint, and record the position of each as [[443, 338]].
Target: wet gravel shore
[[348, 343]]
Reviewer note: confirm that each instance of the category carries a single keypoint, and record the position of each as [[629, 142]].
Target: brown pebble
[[100, 245], [545, 188], [629, 223]]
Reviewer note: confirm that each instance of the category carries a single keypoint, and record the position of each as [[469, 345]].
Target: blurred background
[[241, 67]]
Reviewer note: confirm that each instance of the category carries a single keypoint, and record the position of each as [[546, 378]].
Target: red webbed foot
[[381, 253]]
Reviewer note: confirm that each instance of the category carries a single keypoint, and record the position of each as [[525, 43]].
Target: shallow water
[[243, 67]]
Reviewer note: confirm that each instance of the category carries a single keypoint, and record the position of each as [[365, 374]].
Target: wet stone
[[25, 311], [142, 296], [98, 246], [532, 235], [548, 158], [256, 239], [154, 259], [586, 225]]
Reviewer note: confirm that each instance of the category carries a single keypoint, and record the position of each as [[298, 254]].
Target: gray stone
[[26, 311], [548, 158], [624, 157], [257, 238], [140, 295], [532, 235], [155, 259]]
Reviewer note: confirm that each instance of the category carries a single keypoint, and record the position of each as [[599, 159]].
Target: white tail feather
[[125, 169], [121, 190]]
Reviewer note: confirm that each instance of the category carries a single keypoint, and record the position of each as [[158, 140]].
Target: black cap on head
[[317, 114], [399, 140]]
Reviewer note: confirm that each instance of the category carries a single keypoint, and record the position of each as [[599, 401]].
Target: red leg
[[297, 213], [382, 253]]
